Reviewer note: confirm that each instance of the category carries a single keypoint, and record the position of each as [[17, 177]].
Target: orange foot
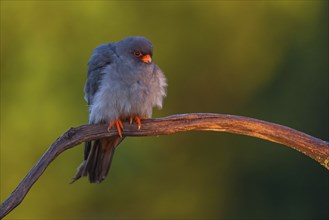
[[137, 119], [118, 124]]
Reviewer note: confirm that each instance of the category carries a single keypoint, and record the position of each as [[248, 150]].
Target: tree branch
[[313, 147]]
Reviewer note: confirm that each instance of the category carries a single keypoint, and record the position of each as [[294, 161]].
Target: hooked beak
[[147, 58]]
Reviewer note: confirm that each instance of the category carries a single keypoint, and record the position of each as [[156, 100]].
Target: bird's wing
[[101, 57]]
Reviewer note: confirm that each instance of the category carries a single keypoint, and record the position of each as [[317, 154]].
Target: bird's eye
[[138, 54]]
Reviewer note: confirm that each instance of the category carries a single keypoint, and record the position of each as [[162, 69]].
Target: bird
[[123, 84]]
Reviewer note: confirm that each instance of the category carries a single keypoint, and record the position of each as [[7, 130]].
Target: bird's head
[[139, 49]]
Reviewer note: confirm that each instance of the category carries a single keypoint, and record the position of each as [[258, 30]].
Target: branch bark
[[313, 147]]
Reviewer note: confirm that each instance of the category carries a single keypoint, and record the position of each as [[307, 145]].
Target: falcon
[[123, 83]]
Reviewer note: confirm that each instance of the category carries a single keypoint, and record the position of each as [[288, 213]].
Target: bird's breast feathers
[[125, 92]]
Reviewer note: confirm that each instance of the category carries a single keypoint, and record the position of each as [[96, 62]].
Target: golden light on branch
[[313, 147]]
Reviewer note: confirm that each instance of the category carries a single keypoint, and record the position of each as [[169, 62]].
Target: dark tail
[[98, 157]]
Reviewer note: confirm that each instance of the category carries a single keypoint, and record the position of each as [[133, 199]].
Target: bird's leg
[[118, 124], [137, 119]]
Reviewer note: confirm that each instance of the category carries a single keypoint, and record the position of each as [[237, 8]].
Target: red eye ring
[[138, 54]]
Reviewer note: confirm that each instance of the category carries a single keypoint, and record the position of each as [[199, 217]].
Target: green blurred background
[[267, 60]]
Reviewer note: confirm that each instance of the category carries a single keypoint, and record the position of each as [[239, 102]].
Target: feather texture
[[119, 85]]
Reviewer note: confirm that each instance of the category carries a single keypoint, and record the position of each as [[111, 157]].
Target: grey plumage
[[119, 85]]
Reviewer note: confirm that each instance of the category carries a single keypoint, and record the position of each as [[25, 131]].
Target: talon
[[118, 124], [138, 120], [111, 124]]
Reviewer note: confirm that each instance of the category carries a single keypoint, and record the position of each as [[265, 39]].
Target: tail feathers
[[98, 158]]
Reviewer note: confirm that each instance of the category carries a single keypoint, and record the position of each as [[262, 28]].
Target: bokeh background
[[262, 59]]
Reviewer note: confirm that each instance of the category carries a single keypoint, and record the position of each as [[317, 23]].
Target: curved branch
[[313, 147]]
